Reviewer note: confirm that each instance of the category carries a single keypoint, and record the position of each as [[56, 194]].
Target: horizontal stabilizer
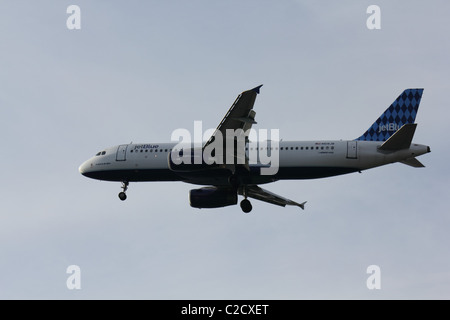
[[401, 139], [413, 162]]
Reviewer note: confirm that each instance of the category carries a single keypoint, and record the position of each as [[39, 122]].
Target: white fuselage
[[297, 160]]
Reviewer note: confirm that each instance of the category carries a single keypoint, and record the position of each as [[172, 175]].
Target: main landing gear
[[246, 206], [123, 195]]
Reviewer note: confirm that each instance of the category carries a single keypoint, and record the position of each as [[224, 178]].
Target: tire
[[122, 196], [246, 206]]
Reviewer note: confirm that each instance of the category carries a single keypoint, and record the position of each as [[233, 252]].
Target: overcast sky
[[137, 70]]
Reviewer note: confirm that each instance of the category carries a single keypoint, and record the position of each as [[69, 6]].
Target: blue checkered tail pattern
[[402, 111]]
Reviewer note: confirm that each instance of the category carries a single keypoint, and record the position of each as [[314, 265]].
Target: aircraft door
[[352, 149], [121, 152]]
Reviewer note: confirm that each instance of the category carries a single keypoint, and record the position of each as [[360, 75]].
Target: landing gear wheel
[[246, 206], [122, 196]]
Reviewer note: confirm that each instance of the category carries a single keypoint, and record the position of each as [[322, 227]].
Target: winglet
[[257, 89], [301, 205]]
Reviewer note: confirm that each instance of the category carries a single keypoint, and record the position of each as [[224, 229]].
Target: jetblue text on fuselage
[[146, 146]]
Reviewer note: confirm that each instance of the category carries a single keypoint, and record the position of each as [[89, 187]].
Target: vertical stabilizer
[[402, 111]]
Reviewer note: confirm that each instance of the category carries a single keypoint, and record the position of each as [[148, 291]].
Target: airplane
[[388, 140]]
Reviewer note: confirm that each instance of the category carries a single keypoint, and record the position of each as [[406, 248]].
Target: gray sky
[[136, 71]]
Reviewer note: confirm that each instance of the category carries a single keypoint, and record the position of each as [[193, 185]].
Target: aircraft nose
[[84, 167]]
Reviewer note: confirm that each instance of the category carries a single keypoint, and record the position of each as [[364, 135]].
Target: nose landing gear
[[123, 195]]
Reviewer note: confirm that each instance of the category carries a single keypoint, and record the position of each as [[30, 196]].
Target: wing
[[267, 196], [239, 116]]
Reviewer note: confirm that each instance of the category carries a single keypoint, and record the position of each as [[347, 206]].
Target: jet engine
[[212, 197]]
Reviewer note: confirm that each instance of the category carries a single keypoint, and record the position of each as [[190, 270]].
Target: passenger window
[[166, 150], [292, 148], [156, 150], [131, 151]]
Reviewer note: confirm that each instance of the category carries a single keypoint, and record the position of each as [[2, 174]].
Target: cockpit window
[[103, 153], [100, 153]]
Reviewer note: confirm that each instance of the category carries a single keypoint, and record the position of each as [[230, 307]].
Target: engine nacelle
[[212, 197]]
